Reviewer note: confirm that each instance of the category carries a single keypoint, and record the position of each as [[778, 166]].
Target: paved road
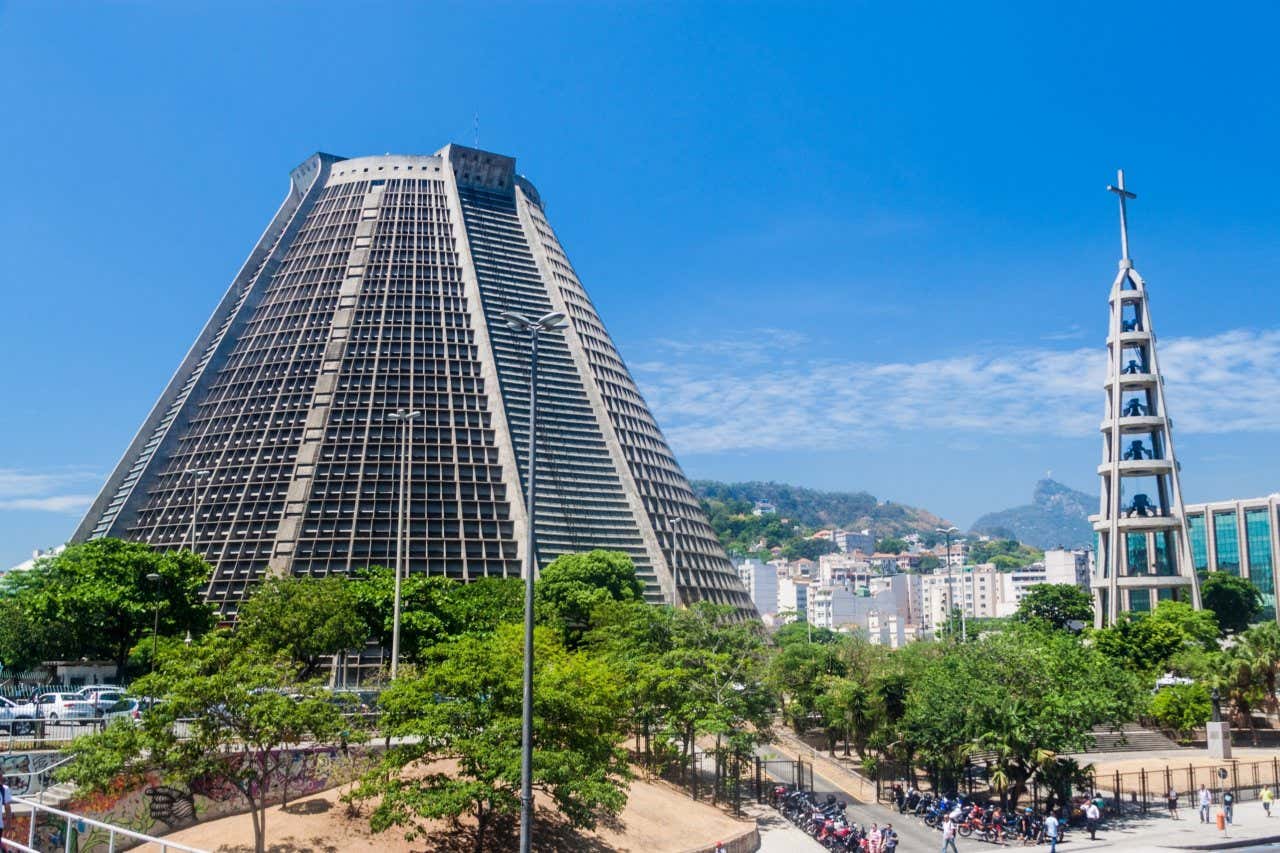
[[913, 835]]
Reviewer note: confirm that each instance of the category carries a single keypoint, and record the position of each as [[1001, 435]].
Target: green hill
[[1057, 516], [800, 511]]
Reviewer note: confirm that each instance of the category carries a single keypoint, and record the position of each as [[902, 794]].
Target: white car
[[68, 707], [17, 717], [90, 693]]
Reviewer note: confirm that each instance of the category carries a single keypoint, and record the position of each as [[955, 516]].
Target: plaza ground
[[657, 819]]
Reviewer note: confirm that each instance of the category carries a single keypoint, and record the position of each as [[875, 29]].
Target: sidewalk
[[1151, 833]]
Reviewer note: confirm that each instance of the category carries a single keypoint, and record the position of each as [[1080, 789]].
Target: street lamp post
[[155, 623], [951, 602], [521, 323], [197, 475], [404, 418]]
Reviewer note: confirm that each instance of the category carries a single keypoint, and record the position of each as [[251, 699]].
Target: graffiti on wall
[[26, 772], [157, 808]]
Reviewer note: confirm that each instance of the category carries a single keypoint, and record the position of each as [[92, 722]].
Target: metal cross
[[1124, 221]]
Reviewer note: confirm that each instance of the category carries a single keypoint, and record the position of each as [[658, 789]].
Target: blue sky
[[854, 246]]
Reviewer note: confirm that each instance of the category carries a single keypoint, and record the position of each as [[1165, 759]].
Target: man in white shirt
[[949, 835], [1206, 800], [1051, 831], [1091, 815]]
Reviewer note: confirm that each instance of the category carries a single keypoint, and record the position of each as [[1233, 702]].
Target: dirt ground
[[657, 818]]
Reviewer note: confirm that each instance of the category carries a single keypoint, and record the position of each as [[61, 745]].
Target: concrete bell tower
[[1143, 556]]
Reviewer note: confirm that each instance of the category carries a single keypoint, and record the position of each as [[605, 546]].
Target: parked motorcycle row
[[984, 822], [825, 820]]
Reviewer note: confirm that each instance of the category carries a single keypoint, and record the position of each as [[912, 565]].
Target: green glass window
[[1226, 542], [1199, 543], [1166, 556], [1136, 555], [1257, 528], [1140, 600], [1166, 593]]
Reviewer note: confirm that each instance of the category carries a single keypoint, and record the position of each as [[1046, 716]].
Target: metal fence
[[44, 829], [1146, 789], [723, 778]]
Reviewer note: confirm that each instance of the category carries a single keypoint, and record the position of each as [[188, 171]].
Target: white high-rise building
[[761, 581]]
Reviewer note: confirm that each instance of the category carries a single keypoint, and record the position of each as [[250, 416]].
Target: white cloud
[[47, 491], [1223, 383], [52, 503]]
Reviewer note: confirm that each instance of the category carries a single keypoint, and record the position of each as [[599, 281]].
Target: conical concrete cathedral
[[376, 288], [1142, 535]]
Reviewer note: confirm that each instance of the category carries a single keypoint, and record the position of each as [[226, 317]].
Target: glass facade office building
[[1241, 537], [379, 285]]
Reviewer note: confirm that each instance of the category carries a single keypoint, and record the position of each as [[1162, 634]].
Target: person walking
[[949, 835], [1051, 831], [1229, 805], [1206, 800], [1091, 816], [1265, 795], [1173, 803]]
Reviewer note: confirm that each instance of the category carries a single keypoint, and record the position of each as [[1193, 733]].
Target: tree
[[1058, 604], [1182, 707], [891, 545], [1026, 694], [240, 706], [94, 600], [808, 549], [465, 707], [1151, 642], [306, 618], [573, 585], [929, 562], [1233, 599], [434, 609]]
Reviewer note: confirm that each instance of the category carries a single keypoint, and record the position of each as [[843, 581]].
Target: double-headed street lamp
[[951, 603], [521, 323], [405, 418]]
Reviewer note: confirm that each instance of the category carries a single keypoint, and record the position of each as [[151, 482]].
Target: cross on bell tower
[[1143, 556]]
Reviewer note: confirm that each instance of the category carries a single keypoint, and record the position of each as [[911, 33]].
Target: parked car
[[90, 692], [126, 708], [17, 718], [104, 698], [68, 707]]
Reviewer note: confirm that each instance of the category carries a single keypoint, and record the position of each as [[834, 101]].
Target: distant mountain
[[1057, 516], [814, 508]]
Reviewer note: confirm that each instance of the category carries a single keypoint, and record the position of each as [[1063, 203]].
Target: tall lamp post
[[405, 418], [197, 474], [521, 323], [951, 601], [155, 623]]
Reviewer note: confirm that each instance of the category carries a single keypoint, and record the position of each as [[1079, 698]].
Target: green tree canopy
[[1233, 599], [94, 600], [1182, 707], [1057, 604], [1152, 642], [306, 618], [465, 706], [573, 585], [891, 545], [434, 609], [1025, 694]]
